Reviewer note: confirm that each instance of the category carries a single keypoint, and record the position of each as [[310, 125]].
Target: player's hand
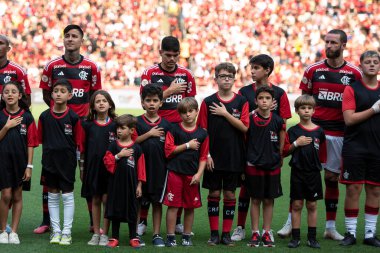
[[219, 110], [376, 106], [194, 144], [196, 179], [210, 164], [13, 122], [125, 152], [303, 140], [138, 191], [156, 131], [274, 105], [177, 87], [27, 174]]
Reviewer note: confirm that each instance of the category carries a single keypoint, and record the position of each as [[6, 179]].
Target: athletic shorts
[[334, 145], [360, 170], [56, 181], [263, 184], [179, 192], [305, 185], [221, 180]]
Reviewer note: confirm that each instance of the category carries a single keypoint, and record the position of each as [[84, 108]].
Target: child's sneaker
[[238, 234], [65, 239], [186, 240], [13, 238], [135, 243], [141, 241], [331, 233], [103, 240], [41, 229], [4, 238], [170, 241], [313, 243], [226, 240], [294, 243], [267, 239], [158, 241], [94, 240], [255, 240], [141, 229], [112, 243], [286, 230], [55, 238], [179, 229]]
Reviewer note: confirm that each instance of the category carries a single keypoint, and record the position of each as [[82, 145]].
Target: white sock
[[330, 224], [68, 212], [289, 218], [53, 205], [351, 225], [370, 225]]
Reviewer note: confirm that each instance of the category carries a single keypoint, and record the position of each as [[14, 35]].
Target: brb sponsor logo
[[176, 98], [330, 96]]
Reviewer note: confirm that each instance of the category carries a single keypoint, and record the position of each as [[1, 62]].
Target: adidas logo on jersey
[[61, 73], [322, 77], [330, 96], [160, 81]]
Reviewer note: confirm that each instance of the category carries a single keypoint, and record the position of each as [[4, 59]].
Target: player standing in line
[[361, 149], [10, 71], [261, 67], [177, 82], [225, 116], [84, 76], [326, 81]]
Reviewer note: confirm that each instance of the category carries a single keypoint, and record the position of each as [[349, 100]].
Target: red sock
[[213, 213], [243, 206], [228, 214], [331, 199]]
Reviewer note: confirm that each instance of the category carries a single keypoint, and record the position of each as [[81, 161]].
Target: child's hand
[[125, 152], [303, 140], [219, 110], [196, 179], [138, 191], [156, 131], [210, 164], [13, 122], [27, 174], [194, 144], [274, 105]]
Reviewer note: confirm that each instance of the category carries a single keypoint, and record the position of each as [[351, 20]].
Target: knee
[[230, 195], [331, 177], [311, 206], [297, 206], [214, 194], [373, 191], [256, 202], [6, 197], [353, 191]]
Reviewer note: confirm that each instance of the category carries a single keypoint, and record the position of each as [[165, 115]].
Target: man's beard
[[333, 54]]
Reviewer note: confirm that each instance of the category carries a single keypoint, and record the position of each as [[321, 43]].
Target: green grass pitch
[[32, 216]]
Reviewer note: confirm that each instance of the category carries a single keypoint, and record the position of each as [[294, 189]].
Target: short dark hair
[[170, 43], [64, 82], [304, 100], [227, 66], [6, 39], [264, 88], [152, 89], [71, 27], [264, 61], [369, 53], [341, 33], [186, 104], [126, 120]]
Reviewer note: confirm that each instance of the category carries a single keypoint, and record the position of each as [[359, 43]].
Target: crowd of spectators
[[123, 36]]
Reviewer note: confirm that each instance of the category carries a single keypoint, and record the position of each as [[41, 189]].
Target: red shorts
[[179, 192]]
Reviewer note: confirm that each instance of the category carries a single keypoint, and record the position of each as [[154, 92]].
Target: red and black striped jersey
[[326, 84], [156, 74], [14, 72], [84, 77], [283, 107]]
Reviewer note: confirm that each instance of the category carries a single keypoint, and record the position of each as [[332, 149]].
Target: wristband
[[187, 145], [30, 166], [117, 157], [295, 144]]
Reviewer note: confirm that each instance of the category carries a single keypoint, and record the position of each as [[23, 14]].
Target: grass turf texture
[[32, 216]]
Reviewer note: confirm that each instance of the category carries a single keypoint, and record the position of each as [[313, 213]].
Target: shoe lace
[[266, 237]]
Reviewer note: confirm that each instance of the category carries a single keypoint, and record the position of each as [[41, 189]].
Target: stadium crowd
[[123, 36]]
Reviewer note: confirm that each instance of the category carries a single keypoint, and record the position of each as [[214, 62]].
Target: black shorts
[[305, 185], [263, 184], [221, 180], [57, 181], [360, 170]]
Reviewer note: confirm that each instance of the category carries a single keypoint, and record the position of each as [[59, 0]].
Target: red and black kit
[[96, 139], [14, 72], [14, 148]]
